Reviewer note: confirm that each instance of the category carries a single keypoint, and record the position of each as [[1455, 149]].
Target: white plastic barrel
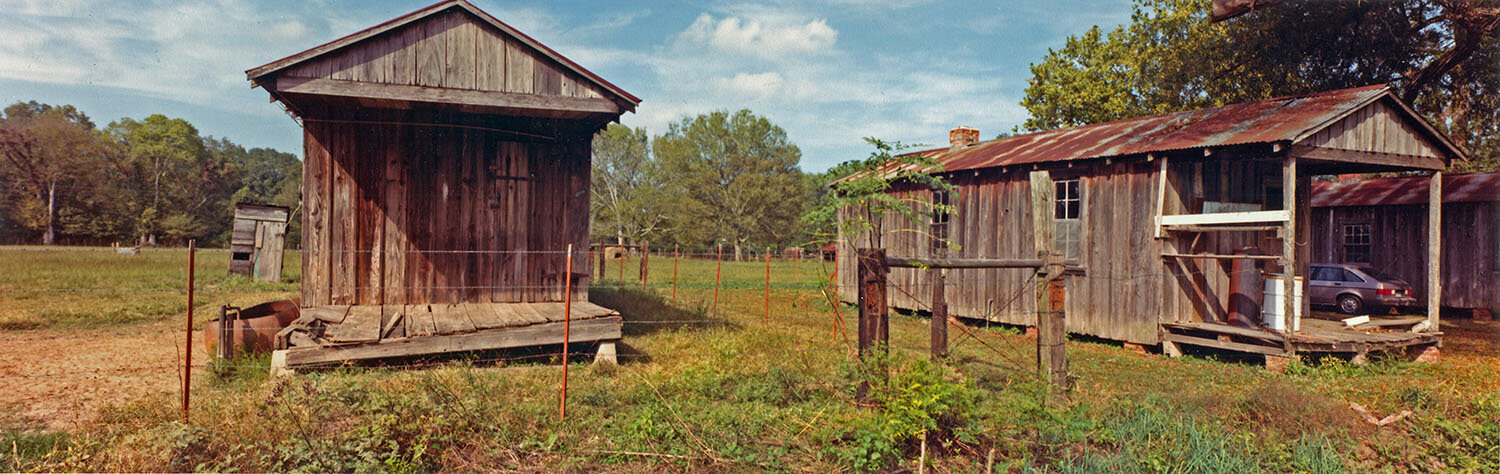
[[1272, 304]]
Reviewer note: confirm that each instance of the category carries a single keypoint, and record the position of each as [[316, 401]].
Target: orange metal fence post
[[602, 256], [187, 362], [567, 326], [718, 271], [645, 261], [674, 272], [768, 287]]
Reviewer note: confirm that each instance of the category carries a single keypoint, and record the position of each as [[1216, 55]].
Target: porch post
[[1434, 248], [1289, 247]]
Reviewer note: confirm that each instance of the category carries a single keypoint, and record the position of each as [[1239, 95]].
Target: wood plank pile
[[336, 325]]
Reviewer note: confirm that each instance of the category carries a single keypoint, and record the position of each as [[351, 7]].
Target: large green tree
[[627, 203], [733, 178], [176, 186], [46, 155], [1170, 57]]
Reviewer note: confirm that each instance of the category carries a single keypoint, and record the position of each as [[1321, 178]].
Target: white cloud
[[762, 84], [290, 29], [757, 37]]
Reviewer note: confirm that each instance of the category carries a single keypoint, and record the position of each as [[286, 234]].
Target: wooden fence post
[[602, 255], [872, 272], [674, 271], [624, 257], [872, 298], [1052, 331], [562, 410], [645, 257], [939, 314], [718, 271], [187, 362], [226, 337], [1051, 325]]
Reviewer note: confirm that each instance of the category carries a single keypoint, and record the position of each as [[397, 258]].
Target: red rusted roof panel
[[1266, 121], [1471, 187]]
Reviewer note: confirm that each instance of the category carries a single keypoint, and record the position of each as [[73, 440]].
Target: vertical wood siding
[[452, 50], [1376, 128], [1119, 299], [377, 196]]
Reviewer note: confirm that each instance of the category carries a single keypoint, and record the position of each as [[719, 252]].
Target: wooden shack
[[1155, 209], [1381, 222], [256, 241], [446, 170]]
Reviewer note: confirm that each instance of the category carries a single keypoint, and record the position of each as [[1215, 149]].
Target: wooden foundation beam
[[589, 330]]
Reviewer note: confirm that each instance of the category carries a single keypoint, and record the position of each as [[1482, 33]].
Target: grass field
[[711, 388]]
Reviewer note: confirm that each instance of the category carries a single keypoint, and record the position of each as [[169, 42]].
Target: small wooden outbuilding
[[256, 241], [1155, 209], [446, 170], [1382, 222]]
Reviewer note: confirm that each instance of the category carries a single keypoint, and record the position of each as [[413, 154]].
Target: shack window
[[1357, 243], [1067, 217], [939, 227]]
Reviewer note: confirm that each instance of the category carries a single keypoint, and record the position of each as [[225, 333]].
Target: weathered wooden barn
[[1382, 222], [1155, 209], [256, 241], [446, 169]]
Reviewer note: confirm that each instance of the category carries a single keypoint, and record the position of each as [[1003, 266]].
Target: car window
[[1351, 277], [1326, 274]]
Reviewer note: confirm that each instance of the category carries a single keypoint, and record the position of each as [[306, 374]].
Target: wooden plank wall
[[1120, 299], [1470, 253], [392, 209], [452, 50], [1376, 128]]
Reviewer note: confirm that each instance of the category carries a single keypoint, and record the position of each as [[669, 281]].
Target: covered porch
[[1248, 207]]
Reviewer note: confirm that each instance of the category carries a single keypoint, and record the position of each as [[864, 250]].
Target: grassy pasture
[[721, 390], [95, 288]]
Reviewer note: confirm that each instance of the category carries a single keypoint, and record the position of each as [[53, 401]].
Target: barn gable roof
[[1406, 190], [1304, 119], [448, 46]]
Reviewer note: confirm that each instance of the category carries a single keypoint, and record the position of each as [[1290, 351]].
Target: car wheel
[[1350, 304]]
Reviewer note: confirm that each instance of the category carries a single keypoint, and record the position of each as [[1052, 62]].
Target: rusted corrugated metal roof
[[1472, 187], [1266, 121]]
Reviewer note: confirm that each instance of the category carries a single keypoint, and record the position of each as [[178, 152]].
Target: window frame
[[1068, 211], [1358, 231], [939, 224]]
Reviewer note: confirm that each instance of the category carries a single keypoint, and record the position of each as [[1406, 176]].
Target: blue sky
[[828, 72]]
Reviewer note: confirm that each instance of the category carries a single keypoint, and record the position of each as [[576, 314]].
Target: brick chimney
[[962, 136]]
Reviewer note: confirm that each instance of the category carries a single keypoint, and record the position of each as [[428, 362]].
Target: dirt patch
[[58, 379]]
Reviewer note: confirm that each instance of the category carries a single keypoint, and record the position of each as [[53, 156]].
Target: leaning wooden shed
[[1154, 209], [446, 169], [256, 241], [1382, 222]]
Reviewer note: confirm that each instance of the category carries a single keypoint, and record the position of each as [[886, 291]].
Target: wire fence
[[696, 290]]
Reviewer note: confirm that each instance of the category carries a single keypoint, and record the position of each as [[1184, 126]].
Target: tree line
[[156, 180], [719, 178]]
